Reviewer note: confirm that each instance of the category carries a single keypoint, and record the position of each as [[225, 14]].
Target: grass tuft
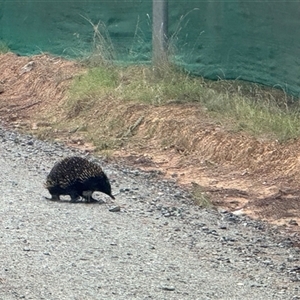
[[102, 52], [200, 197], [3, 47], [95, 81], [88, 88]]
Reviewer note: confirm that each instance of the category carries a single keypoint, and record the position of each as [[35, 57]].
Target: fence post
[[159, 32]]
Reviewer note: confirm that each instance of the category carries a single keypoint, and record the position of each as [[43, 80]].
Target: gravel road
[[158, 246]]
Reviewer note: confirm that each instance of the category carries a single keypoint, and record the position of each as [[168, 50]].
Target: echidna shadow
[[77, 177]]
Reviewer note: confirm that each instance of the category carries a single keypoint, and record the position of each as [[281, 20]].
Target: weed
[[106, 154], [103, 53], [200, 197], [106, 146], [3, 47]]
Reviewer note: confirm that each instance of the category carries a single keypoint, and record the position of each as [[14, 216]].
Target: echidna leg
[[87, 195], [90, 199], [74, 196], [54, 197], [93, 199]]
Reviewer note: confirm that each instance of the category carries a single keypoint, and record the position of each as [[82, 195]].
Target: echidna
[[76, 176]]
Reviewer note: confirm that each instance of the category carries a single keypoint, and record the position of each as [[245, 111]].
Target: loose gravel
[[150, 243]]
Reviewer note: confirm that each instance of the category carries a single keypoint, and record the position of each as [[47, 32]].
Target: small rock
[[213, 232], [1, 88], [223, 226], [167, 214], [28, 67], [124, 190], [159, 207], [291, 258], [168, 288], [231, 218], [286, 243], [227, 239], [239, 212], [293, 222], [115, 208]]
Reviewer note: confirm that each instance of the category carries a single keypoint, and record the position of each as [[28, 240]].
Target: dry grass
[[102, 50]]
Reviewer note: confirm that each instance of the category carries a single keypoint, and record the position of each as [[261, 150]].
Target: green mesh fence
[[67, 27], [249, 40]]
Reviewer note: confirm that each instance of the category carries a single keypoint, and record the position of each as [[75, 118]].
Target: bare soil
[[257, 177]]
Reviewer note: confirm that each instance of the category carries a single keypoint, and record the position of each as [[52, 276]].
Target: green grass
[[95, 81], [241, 106], [90, 87], [266, 118], [3, 48]]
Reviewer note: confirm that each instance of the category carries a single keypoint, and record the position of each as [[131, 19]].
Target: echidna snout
[[76, 176]]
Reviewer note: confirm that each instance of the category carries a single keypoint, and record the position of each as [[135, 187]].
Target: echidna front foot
[[87, 195], [92, 200], [74, 197], [74, 200]]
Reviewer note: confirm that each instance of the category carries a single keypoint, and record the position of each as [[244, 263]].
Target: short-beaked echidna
[[76, 176]]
